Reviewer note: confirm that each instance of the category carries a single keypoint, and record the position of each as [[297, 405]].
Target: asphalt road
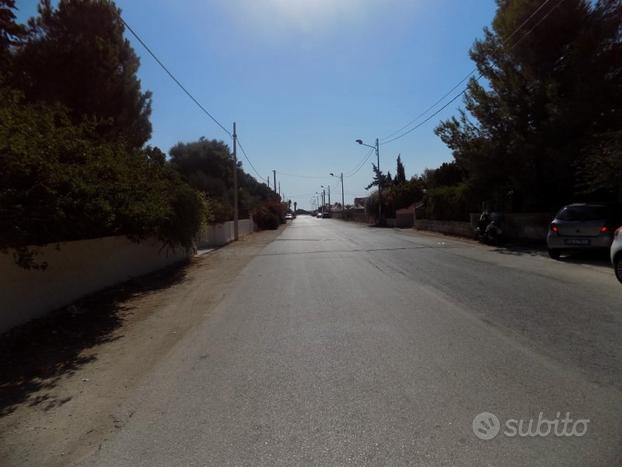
[[349, 345]]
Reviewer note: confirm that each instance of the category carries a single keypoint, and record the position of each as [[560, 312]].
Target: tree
[[10, 33], [601, 167], [60, 182], [208, 166], [397, 193], [400, 173], [447, 174], [525, 131], [380, 180], [76, 55]]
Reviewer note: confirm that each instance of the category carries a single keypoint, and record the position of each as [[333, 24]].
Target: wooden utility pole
[[235, 184]]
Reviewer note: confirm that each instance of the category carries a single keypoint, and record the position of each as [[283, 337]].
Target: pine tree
[[545, 93], [76, 55], [400, 174]]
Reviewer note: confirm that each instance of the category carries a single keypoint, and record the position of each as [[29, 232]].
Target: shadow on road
[[37, 355], [591, 258]]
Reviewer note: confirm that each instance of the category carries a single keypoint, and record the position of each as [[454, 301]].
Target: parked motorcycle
[[489, 228]]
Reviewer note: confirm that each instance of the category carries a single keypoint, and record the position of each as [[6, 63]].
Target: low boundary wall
[[215, 235], [75, 269], [462, 229], [78, 268]]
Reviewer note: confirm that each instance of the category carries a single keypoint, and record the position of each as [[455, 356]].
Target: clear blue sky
[[304, 78]]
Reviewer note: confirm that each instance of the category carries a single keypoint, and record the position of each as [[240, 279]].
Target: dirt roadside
[[63, 377]]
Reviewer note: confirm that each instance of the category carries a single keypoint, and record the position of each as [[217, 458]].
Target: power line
[[537, 24], [248, 159], [429, 118], [301, 176], [174, 78], [360, 165], [431, 107], [183, 88], [542, 5]]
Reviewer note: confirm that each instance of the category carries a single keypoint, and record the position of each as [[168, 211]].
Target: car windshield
[[584, 213]]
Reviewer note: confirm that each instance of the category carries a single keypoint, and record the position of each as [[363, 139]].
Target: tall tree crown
[[76, 55], [546, 92]]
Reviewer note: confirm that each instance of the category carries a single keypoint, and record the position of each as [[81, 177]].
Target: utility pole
[[274, 175], [376, 147], [380, 220], [235, 184], [328, 198], [343, 204], [279, 188]]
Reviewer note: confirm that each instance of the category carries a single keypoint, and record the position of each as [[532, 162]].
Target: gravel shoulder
[[65, 376]]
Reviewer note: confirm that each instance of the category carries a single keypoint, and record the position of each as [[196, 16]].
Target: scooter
[[489, 229]]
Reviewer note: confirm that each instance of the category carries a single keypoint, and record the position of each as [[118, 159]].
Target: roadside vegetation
[[74, 127], [542, 118]]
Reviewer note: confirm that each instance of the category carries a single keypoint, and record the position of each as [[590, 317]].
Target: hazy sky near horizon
[[304, 78]]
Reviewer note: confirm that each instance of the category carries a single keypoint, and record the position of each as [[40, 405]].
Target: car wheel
[[617, 267], [554, 253]]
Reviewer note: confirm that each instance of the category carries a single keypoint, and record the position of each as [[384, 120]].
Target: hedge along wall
[[82, 267]]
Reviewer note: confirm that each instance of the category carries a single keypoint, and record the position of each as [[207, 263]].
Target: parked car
[[289, 216], [616, 253], [319, 215], [583, 226]]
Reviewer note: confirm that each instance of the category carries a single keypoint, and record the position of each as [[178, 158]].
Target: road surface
[[343, 344]]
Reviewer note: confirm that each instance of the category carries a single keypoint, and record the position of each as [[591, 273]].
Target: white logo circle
[[486, 426]]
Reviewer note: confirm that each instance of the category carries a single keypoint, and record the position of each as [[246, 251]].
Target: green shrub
[[448, 203], [60, 182], [266, 219]]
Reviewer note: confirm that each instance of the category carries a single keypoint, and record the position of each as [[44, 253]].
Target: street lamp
[[377, 149], [343, 206]]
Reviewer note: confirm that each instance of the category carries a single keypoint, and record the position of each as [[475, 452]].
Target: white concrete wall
[[76, 269], [462, 229], [220, 234], [82, 267]]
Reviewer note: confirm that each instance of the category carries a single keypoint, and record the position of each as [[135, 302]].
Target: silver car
[[616, 253], [583, 227]]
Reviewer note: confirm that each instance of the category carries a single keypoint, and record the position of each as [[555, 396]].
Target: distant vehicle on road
[[319, 215], [583, 226], [289, 216], [616, 253]]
